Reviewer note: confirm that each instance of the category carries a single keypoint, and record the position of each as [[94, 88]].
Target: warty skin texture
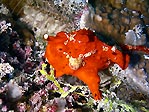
[[82, 54]]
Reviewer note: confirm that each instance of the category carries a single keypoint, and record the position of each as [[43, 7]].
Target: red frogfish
[[82, 54]]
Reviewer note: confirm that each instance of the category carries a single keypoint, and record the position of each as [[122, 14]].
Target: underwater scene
[[74, 55]]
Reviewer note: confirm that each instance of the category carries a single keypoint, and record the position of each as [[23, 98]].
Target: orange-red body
[[82, 55]]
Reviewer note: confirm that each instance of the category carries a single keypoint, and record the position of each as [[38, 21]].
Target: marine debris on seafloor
[[28, 84]]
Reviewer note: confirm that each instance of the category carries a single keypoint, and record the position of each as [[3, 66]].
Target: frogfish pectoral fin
[[120, 58], [92, 80]]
